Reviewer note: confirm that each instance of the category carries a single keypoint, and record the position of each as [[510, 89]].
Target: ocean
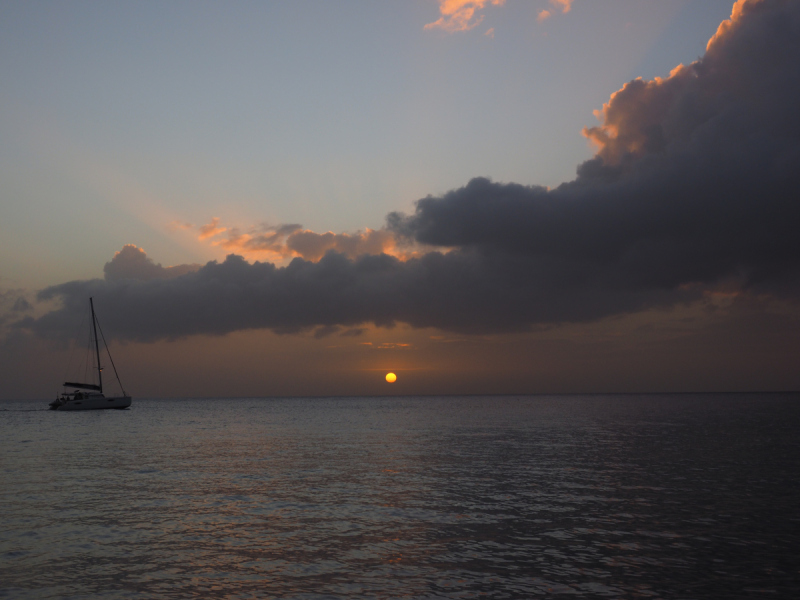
[[683, 496]]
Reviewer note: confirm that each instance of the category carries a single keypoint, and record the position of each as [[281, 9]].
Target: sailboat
[[89, 396]]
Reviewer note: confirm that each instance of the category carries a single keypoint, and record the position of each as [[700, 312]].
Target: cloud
[[354, 332], [261, 242], [460, 15], [291, 240], [563, 5], [695, 180], [313, 246], [21, 304], [463, 290], [691, 197], [211, 229], [132, 263], [13, 302], [736, 13], [326, 331]]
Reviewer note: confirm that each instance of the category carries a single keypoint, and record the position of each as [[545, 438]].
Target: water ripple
[[498, 497]]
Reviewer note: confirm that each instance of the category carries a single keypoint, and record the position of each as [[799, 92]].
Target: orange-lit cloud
[[277, 243], [211, 229], [639, 117], [736, 14], [461, 15], [264, 242], [563, 6], [633, 114]]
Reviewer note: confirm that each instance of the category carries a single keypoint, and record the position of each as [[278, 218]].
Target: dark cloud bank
[[696, 184]]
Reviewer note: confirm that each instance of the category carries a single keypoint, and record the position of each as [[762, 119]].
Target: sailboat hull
[[94, 403]]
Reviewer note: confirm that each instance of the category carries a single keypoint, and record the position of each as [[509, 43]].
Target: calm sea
[[663, 496]]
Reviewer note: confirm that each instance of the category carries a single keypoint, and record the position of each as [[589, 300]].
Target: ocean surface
[[656, 496]]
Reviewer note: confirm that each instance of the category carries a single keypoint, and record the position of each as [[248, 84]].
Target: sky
[[485, 196]]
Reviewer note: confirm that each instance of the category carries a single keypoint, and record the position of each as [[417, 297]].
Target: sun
[[391, 377]]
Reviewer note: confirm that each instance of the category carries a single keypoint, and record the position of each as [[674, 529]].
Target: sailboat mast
[[96, 347]]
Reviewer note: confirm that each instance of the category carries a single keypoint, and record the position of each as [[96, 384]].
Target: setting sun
[[391, 377]]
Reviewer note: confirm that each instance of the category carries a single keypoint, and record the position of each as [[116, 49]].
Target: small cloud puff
[[561, 5], [461, 15]]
